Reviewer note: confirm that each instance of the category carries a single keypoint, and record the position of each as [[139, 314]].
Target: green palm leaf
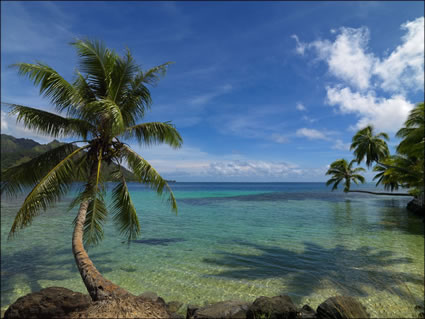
[[50, 124], [48, 190], [53, 86], [17, 178], [155, 133], [125, 215], [147, 174]]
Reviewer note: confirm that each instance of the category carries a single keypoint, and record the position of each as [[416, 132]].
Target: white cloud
[[346, 56], [252, 168], [300, 107], [404, 67], [279, 138], [349, 60], [340, 145], [301, 47], [4, 124], [309, 119], [311, 134], [205, 98], [386, 114]]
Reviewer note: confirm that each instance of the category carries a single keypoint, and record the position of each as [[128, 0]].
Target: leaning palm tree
[[102, 108], [413, 133], [341, 170], [370, 147]]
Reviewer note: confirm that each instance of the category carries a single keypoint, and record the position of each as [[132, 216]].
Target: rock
[[279, 307], [223, 309], [174, 306], [153, 297], [341, 307], [149, 295], [306, 312], [190, 312], [123, 307], [52, 302]]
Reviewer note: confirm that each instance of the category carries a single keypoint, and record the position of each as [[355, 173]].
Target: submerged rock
[[52, 302], [174, 306], [279, 307], [223, 309], [341, 307], [190, 312], [306, 312]]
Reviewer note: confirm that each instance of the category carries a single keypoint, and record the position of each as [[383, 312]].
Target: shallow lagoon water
[[236, 241]]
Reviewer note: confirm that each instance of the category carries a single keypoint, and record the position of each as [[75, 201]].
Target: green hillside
[[15, 151]]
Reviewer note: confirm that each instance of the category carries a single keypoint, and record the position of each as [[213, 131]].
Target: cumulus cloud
[[311, 134], [340, 145], [300, 107], [279, 138], [362, 73], [348, 58], [386, 114], [252, 168], [404, 67], [4, 124], [300, 46]]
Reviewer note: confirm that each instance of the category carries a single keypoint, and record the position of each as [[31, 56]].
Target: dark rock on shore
[[223, 309], [416, 208], [306, 312], [52, 302], [279, 307], [190, 312], [174, 306], [341, 307]]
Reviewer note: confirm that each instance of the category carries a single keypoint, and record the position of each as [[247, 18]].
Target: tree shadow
[[40, 263], [351, 271]]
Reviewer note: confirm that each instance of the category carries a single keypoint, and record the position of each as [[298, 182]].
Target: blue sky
[[260, 91]]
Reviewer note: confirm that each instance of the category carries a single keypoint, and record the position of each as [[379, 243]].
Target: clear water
[[237, 241]]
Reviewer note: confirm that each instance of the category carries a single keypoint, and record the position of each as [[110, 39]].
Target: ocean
[[236, 241]]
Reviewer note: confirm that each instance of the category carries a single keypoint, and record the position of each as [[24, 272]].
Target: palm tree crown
[[368, 146], [342, 170], [102, 107]]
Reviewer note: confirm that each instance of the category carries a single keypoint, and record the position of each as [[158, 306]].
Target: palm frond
[[121, 77], [147, 174], [17, 178], [48, 190], [153, 75], [97, 62], [53, 86], [47, 123], [106, 114], [125, 215], [155, 133]]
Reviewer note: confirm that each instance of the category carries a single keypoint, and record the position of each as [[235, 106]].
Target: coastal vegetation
[[405, 169], [102, 108]]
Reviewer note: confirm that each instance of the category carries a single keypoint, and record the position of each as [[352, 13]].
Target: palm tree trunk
[[98, 287], [374, 193]]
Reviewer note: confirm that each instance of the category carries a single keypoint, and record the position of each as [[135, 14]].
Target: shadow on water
[[351, 271], [29, 266], [285, 196], [158, 241]]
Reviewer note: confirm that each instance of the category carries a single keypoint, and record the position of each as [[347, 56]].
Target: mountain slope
[[15, 151]]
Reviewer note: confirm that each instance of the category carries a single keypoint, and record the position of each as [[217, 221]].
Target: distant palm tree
[[413, 133], [341, 170], [103, 106], [370, 147]]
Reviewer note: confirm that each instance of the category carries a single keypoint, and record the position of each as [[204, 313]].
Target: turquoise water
[[237, 241]]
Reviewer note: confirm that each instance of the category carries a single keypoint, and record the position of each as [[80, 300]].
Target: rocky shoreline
[[58, 302]]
